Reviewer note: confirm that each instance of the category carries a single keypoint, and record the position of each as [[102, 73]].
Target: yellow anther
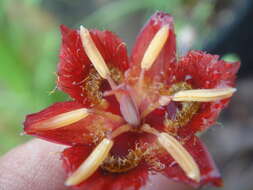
[[155, 47], [91, 164], [181, 155], [93, 53], [203, 95], [62, 120]]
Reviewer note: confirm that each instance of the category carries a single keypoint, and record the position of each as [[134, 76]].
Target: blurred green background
[[29, 47]]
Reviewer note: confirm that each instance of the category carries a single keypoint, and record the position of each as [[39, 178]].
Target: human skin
[[36, 165]]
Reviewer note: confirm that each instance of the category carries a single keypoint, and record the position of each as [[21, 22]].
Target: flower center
[[177, 114], [120, 164], [117, 164]]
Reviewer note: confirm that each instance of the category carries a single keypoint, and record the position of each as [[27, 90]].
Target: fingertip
[[34, 165], [161, 182]]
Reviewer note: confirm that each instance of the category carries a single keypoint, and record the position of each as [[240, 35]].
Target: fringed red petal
[[208, 170], [146, 86], [74, 65], [206, 117], [167, 56], [202, 70], [85, 131], [134, 179], [161, 68]]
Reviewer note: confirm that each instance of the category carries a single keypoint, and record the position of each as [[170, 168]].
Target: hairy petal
[[208, 170], [84, 131], [202, 70], [206, 116], [134, 179], [75, 67], [167, 56], [146, 83]]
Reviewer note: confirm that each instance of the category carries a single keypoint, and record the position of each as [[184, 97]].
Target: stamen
[[91, 164], [93, 53], [149, 109], [109, 115], [155, 47], [120, 130], [181, 155], [146, 127], [115, 91], [164, 100], [177, 151], [127, 106], [203, 95], [62, 120]]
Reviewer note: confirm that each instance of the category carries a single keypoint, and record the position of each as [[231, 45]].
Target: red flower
[[134, 117]]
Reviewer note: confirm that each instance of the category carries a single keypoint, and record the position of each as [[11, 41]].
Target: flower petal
[[77, 130], [205, 117], [134, 179], [75, 68], [146, 83], [166, 58], [208, 170], [205, 71]]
